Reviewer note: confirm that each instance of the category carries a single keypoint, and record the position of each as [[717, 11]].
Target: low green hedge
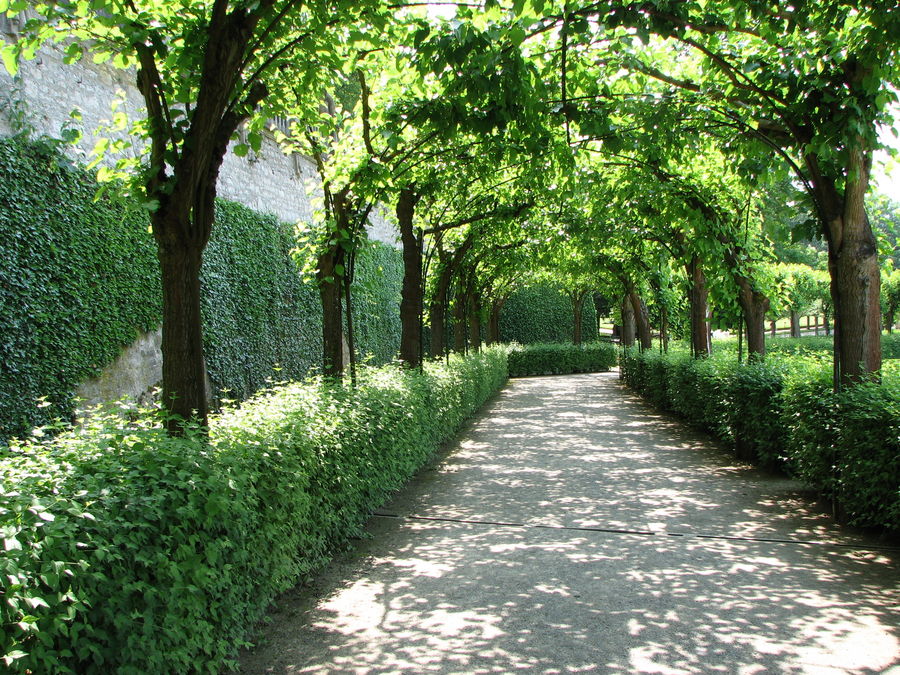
[[783, 413], [560, 358], [129, 551]]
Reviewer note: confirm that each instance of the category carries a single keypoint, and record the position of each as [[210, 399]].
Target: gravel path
[[572, 529]]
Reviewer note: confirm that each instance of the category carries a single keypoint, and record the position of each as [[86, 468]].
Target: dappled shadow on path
[[457, 598], [695, 580], [581, 451]]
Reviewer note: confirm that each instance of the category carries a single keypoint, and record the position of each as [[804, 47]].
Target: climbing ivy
[[261, 321], [543, 313], [78, 280], [376, 302]]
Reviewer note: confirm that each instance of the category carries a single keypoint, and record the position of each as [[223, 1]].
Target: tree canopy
[[666, 153]]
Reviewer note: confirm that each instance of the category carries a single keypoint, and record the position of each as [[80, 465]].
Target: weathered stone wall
[[46, 91], [137, 369]]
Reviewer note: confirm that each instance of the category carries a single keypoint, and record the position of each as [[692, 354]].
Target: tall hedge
[[543, 313], [79, 280]]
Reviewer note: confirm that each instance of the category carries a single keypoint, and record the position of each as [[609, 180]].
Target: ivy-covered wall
[[258, 314], [376, 301], [79, 281], [543, 313]]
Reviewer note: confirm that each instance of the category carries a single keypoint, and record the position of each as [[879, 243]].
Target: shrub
[[811, 418], [698, 390], [756, 420], [868, 454], [542, 313], [560, 359], [130, 551]]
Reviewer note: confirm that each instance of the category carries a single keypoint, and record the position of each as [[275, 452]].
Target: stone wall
[[47, 91]]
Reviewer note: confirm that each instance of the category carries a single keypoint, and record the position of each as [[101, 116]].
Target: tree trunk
[[628, 325], [459, 321], [774, 327], [437, 318], [184, 369], [852, 262], [332, 313], [795, 324], [755, 306], [664, 328], [698, 297], [494, 321], [349, 353], [411, 292], [641, 320], [437, 309], [475, 321]]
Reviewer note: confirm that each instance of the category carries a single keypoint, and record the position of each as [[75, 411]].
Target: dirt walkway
[[574, 530]]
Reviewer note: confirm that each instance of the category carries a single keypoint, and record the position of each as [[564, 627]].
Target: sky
[[886, 171]]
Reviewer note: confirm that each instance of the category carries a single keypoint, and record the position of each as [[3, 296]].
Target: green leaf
[[10, 59]]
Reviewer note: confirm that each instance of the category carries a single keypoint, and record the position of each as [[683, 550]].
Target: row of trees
[[631, 147]]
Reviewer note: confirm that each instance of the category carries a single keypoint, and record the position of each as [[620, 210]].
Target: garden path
[[572, 529]]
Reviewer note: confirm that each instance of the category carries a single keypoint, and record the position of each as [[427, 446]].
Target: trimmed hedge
[[79, 279], [543, 313], [129, 551], [560, 359], [783, 413]]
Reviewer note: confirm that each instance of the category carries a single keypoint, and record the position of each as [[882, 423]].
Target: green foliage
[[756, 420], [560, 358], [698, 390], [542, 313], [869, 453], [78, 280], [376, 301], [131, 551], [808, 345], [263, 321], [784, 414], [258, 315]]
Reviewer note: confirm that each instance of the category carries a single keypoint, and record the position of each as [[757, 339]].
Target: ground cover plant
[[129, 550], [783, 413], [558, 358]]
